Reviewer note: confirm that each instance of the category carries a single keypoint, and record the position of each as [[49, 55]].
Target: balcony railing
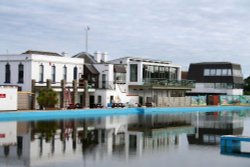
[[169, 83]]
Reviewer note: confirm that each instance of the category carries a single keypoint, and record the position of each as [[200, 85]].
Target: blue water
[[151, 137]]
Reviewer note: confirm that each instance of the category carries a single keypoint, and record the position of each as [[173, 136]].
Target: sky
[[181, 31]]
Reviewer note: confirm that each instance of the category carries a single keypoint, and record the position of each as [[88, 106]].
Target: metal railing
[[169, 83]]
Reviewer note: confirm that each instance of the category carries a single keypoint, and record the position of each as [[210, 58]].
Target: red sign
[[2, 95], [2, 135]]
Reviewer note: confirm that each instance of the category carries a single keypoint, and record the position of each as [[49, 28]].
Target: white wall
[[8, 98], [200, 87], [31, 64]]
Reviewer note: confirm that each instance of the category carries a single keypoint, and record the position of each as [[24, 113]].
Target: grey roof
[[88, 58], [213, 63], [144, 60], [42, 53], [91, 68]]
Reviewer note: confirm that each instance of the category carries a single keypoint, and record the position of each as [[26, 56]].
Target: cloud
[[180, 31]]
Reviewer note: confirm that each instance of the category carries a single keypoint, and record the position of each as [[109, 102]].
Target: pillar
[[33, 95], [48, 83], [75, 92], [63, 83], [85, 95]]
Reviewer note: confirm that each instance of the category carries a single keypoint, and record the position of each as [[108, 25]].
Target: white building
[[20, 69], [132, 80], [149, 79]]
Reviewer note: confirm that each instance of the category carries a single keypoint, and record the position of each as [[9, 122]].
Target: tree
[[247, 86], [47, 98]]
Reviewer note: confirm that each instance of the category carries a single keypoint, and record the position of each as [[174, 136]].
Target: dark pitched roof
[[91, 68], [119, 68], [88, 58], [42, 53]]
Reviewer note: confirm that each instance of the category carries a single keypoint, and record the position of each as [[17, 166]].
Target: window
[[99, 100], [212, 72], [65, 73], [173, 74], [7, 73], [133, 72], [53, 73], [218, 72], [224, 72], [41, 73], [20, 73], [206, 72], [237, 73], [103, 80], [229, 72], [75, 71]]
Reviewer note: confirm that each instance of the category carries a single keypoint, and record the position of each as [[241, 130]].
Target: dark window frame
[[7, 73], [20, 73]]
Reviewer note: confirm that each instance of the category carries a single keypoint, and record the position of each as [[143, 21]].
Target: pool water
[[164, 139]]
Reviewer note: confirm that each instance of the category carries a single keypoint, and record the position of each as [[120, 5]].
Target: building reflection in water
[[210, 126], [121, 136]]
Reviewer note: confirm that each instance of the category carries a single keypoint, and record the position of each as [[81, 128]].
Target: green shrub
[[47, 98]]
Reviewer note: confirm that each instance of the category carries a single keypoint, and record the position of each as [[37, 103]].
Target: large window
[[20, 73], [173, 73], [53, 73], [237, 73], [133, 72], [7, 73], [206, 72], [151, 72], [41, 73], [75, 73], [65, 73], [219, 72]]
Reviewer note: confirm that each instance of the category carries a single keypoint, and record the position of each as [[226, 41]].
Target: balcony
[[160, 83]]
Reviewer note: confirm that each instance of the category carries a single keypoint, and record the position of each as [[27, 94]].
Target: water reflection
[[34, 143], [210, 126]]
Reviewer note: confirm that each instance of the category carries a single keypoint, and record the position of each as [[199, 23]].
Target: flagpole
[[86, 35]]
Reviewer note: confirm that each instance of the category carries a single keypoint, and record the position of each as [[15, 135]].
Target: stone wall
[[174, 101], [24, 101]]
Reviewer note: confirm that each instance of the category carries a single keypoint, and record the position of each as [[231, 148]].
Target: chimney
[[98, 56], [105, 56]]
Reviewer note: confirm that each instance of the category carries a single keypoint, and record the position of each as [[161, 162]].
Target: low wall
[[24, 101], [186, 101], [235, 100]]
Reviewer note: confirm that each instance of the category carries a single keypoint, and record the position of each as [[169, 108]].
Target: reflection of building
[[210, 126], [155, 131]]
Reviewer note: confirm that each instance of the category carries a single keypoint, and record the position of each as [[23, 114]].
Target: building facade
[[216, 78], [20, 69]]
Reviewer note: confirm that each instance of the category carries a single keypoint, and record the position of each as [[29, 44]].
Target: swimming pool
[[166, 137], [86, 113]]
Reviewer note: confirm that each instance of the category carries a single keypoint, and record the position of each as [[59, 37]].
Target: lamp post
[[86, 37]]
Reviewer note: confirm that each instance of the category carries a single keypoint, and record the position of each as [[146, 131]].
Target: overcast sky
[[181, 31]]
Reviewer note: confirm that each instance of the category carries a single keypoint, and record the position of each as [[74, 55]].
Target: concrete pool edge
[[86, 113]]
